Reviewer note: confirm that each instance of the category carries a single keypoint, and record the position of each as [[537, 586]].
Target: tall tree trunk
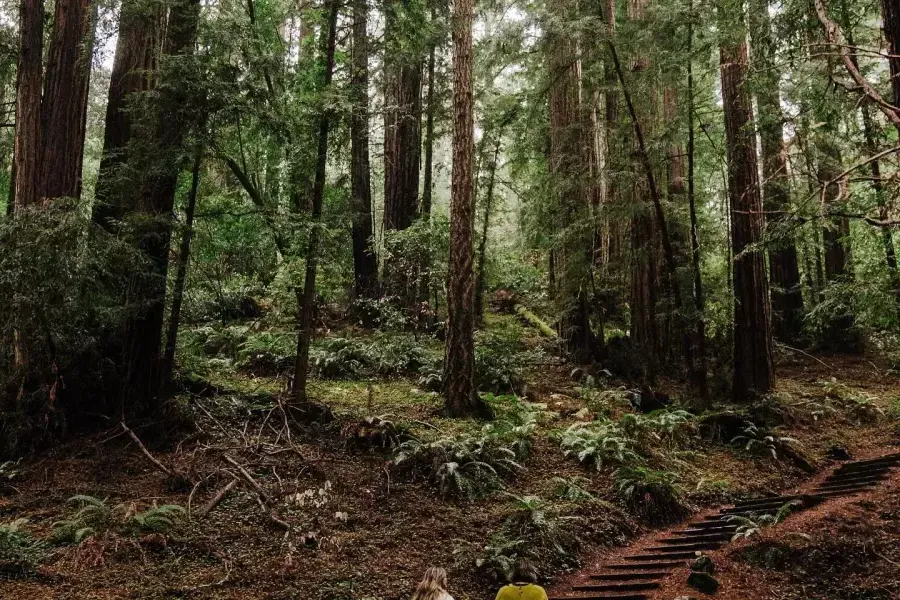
[[754, 369], [569, 169], [403, 109], [835, 234], [784, 269], [402, 142], [28, 103], [64, 107], [699, 304], [671, 281], [482, 242], [184, 255], [365, 263], [133, 71], [890, 14], [305, 323], [427, 183], [645, 329], [461, 397]]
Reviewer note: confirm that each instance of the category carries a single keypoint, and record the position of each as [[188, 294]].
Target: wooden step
[[605, 596], [647, 565], [697, 538], [662, 556], [628, 576], [847, 486], [630, 586], [692, 547]]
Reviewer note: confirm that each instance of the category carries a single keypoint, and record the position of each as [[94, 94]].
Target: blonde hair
[[433, 585]]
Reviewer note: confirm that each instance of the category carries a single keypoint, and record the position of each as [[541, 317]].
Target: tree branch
[[833, 37]]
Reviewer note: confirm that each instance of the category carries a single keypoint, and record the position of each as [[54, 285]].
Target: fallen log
[[535, 321]]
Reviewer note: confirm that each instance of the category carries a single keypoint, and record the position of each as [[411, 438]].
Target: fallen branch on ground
[[535, 321], [146, 452], [220, 495]]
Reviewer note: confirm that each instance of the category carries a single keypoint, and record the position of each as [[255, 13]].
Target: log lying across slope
[[534, 320]]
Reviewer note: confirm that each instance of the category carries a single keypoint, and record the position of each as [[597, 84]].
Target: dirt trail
[[658, 563]]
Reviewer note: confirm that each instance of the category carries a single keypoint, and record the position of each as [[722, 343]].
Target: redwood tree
[[140, 186], [365, 264], [461, 397], [754, 370], [784, 269], [569, 173]]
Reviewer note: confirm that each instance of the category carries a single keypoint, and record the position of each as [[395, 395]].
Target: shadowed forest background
[[289, 289]]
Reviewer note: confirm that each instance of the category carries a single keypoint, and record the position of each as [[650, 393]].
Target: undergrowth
[[92, 516]]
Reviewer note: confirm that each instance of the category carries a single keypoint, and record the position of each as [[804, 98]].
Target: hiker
[[433, 586], [524, 585]]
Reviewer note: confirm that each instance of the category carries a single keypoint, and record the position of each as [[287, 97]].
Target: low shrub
[[20, 552], [93, 516], [600, 443], [654, 496], [538, 533]]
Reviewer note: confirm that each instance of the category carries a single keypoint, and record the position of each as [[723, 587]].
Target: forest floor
[[363, 524]]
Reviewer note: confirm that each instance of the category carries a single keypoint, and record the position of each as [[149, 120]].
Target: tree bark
[[133, 71], [461, 398], [784, 269], [64, 106], [403, 110], [427, 183], [754, 370], [890, 13], [28, 103], [699, 304], [184, 255], [569, 170], [482, 242], [365, 262], [305, 323]]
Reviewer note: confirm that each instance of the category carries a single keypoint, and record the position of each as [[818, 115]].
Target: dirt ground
[[361, 529]]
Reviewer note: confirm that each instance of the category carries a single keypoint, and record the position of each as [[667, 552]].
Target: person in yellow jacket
[[523, 586]]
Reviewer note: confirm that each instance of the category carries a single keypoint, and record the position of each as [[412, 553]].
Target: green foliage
[[157, 519], [653, 495], [572, 490], [600, 443], [760, 441], [468, 466], [893, 411], [860, 406], [536, 533], [93, 516], [9, 470], [749, 526], [380, 355], [267, 352], [669, 426], [19, 551], [500, 361], [65, 283]]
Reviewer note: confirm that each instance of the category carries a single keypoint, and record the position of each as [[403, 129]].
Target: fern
[[759, 440], [158, 519], [600, 443], [573, 489], [94, 516], [19, 551]]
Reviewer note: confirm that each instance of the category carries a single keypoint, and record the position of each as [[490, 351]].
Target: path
[[642, 569]]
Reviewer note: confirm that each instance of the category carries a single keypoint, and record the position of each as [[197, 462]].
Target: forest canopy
[[668, 188]]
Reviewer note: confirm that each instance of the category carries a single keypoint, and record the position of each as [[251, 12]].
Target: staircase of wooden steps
[[642, 572]]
